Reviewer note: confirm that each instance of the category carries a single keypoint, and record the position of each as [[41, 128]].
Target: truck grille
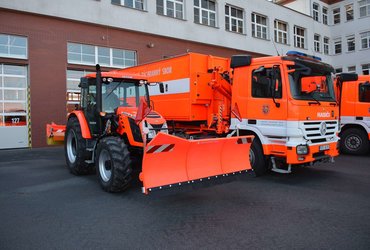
[[319, 131]]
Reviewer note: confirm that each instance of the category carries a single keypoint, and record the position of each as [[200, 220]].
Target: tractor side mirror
[[84, 83]]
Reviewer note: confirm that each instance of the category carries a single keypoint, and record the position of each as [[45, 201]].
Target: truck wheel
[[257, 159], [75, 149], [113, 164], [354, 141]]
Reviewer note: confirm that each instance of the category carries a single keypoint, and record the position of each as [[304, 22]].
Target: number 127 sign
[[13, 120]]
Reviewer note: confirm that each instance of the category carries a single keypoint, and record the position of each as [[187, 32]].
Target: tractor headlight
[[302, 150]]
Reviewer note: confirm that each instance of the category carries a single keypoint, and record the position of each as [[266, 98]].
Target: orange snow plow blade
[[170, 160], [55, 134]]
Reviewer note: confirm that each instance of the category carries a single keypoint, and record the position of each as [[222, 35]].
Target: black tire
[[257, 159], [354, 141], [113, 164], [75, 149]]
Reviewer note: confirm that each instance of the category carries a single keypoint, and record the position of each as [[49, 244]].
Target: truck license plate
[[324, 147]]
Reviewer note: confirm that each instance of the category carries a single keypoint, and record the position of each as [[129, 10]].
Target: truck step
[[89, 161]]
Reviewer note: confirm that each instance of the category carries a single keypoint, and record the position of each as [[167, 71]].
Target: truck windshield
[[122, 94], [311, 81]]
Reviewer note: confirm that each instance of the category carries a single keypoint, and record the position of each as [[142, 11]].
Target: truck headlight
[[302, 150]]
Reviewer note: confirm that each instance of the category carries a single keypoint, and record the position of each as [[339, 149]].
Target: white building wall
[[104, 13], [341, 31]]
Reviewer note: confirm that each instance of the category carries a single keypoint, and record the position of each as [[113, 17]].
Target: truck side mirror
[[161, 87], [347, 77]]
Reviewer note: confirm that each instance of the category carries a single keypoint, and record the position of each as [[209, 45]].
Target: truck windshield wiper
[[316, 101]]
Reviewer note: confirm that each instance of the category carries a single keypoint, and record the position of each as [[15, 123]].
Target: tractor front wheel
[[113, 164]]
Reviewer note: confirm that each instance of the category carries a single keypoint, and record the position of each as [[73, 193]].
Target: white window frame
[[136, 4], [259, 30], [365, 39], [365, 69], [299, 40], [325, 15], [166, 9], [364, 5], [351, 69], [326, 43], [317, 43], [349, 11], [111, 64], [204, 10], [281, 36], [9, 45], [234, 21], [315, 12], [351, 41], [338, 42], [336, 16]]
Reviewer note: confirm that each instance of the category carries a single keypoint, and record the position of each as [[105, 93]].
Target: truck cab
[[289, 103]]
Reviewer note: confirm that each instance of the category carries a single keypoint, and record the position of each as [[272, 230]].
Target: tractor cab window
[[266, 82], [364, 92], [122, 94], [311, 81]]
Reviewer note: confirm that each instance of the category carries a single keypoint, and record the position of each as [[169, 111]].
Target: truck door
[[363, 104], [267, 107]]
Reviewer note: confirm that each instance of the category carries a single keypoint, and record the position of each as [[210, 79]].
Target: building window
[[205, 12], [317, 43], [234, 19], [299, 37], [366, 69], [109, 57], [351, 69], [171, 8], [281, 32], [338, 70], [351, 45], [326, 45], [13, 46], [13, 95], [336, 15], [338, 46], [324, 15], [365, 40], [349, 12], [315, 11], [136, 4], [364, 8], [259, 26]]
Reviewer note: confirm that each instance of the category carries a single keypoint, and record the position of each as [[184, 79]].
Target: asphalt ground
[[43, 206]]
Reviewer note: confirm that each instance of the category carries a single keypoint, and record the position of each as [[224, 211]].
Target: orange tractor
[[115, 131], [286, 102], [354, 98]]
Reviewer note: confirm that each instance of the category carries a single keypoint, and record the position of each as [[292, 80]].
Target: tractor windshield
[[311, 81], [123, 94]]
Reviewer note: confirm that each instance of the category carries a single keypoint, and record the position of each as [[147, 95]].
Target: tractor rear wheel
[[257, 159], [75, 149], [113, 164]]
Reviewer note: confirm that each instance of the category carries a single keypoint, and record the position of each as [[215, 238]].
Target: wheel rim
[[252, 157], [353, 142], [105, 165], [72, 146]]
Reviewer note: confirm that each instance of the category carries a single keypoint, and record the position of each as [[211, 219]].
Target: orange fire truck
[[287, 102], [355, 116]]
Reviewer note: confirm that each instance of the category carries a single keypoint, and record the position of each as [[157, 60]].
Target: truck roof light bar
[[301, 54]]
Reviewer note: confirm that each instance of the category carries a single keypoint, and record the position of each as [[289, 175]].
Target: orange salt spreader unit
[[286, 102], [116, 132]]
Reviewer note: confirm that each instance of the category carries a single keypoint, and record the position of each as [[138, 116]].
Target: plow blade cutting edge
[[170, 160]]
